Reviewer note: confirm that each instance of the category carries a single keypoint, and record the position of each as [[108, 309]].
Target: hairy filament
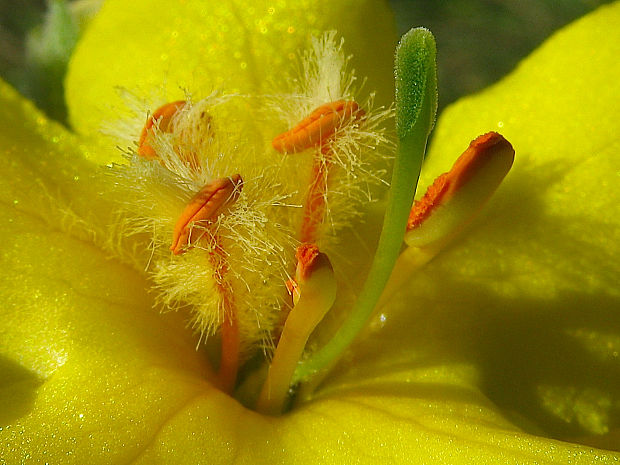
[[316, 130], [314, 206], [230, 343]]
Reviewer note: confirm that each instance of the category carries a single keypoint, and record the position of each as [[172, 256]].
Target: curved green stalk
[[416, 104]]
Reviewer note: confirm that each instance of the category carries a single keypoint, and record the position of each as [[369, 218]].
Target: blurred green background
[[478, 41]]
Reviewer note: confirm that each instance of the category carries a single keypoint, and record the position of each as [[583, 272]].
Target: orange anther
[[205, 205], [293, 290], [321, 124], [162, 116], [423, 207], [306, 255], [477, 156]]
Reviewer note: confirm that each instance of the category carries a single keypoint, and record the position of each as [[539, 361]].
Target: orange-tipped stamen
[[231, 343], [313, 293], [449, 204], [317, 292], [306, 255], [315, 131], [162, 117], [205, 205], [314, 207], [320, 125], [456, 196]]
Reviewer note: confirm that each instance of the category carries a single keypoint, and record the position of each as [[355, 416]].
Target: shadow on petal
[[18, 387]]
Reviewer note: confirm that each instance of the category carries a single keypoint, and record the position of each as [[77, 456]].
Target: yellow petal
[[81, 347], [165, 47]]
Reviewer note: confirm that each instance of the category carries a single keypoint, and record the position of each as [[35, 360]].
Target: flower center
[[311, 301], [236, 213]]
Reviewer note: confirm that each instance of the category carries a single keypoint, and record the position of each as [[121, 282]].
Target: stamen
[[313, 292], [314, 207], [315, 131], [229, 331], [163, 117], [306, 256], [456, 196], [205, 205], [317, 292], [320, 125]]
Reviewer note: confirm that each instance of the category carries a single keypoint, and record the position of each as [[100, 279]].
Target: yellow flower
[[509, 338]]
